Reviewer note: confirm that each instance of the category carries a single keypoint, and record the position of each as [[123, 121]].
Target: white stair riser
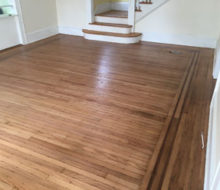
[[102, 28], [112, 20], [122, 40]]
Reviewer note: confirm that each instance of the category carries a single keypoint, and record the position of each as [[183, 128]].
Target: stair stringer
[[147, 9]]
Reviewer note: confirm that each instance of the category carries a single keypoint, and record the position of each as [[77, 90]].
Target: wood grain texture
[[85, 115], [181, 162], [187, 159]]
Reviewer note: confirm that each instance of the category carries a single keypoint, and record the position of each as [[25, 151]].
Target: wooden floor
[[86, 115]]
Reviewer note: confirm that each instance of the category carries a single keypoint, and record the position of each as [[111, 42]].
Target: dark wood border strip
[[172, 115], [177, 139]]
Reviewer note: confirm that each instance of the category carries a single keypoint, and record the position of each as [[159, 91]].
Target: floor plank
[[78, 114]]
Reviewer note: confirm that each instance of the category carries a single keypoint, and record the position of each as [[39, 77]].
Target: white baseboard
[[151, 37], [180, 40], [158, 38], [71, 31], [41, 34]]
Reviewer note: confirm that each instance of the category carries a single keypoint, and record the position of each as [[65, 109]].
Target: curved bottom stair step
[[133, 34], [112, 37]]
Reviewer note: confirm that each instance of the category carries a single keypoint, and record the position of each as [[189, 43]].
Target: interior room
[[109, 95]]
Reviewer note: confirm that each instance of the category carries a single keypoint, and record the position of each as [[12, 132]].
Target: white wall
[[212, 179], [217, 60], [186, 22], [9, 35], [72, 16], [40, 18]]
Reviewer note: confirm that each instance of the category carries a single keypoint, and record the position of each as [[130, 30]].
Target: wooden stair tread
[[113, 13], [148, 3], [112, 34], [111, 24]]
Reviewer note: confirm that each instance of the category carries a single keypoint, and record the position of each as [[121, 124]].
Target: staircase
[[145, 7], [119, 25], [112, 26]]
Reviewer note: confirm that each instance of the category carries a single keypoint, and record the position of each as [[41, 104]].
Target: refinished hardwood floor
[[86, 115]]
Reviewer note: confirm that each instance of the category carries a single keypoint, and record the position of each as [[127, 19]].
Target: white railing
[[137, 5], [147, 7], [138, 2]]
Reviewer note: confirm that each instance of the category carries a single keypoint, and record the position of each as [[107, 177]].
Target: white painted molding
[[179, 39], [150, 37], [158, 38], [90, 11], [71, 31], [12, 31], [20, 23], [216, 67], [212, 170], [8, 32], [42, 34], [209, 150], [216, 181]]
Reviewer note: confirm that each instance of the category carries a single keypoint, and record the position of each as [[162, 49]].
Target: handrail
[[145, 1], [146, 10]]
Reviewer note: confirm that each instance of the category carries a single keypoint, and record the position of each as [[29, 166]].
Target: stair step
[[110, 27], [148, 3], [114, 13], [130, 35], [113, 20], [129, 38], [138, 10], [111, 24]]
